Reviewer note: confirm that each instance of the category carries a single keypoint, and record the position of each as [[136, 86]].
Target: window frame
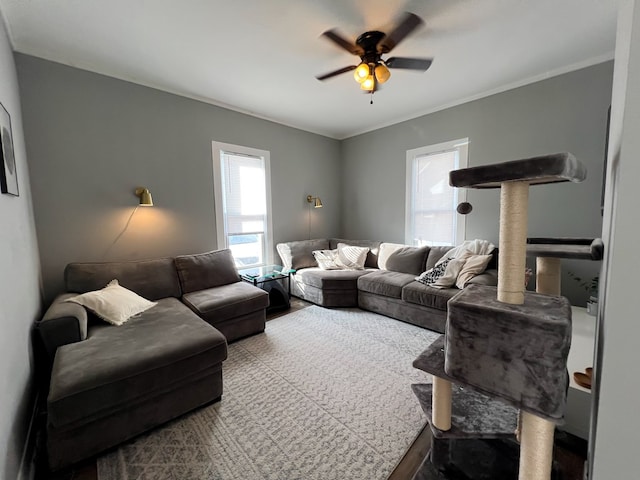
[[460, 145], [218, 148]]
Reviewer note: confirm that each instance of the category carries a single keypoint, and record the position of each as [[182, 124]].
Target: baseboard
[[27, 462]]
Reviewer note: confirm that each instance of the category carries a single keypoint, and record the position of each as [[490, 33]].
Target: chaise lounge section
[[110, 383]]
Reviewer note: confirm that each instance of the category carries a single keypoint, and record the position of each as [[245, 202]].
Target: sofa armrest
[[489, 277], [299, 254], [63, 323]]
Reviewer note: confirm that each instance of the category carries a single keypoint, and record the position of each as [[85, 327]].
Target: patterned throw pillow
[[430, 276], [351, 257]]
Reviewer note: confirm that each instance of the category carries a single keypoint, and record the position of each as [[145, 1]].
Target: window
[[243, 203], [430, 215]]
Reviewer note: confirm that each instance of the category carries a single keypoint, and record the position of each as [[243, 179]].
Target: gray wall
[[617, 390], [92, 139], [563, 113], [19, 284]]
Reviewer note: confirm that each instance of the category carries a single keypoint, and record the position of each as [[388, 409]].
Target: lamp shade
[[382, 73], [369, 83], [361, 72], [145, 197]]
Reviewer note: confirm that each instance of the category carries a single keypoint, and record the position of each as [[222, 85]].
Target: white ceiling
[[261, 56]]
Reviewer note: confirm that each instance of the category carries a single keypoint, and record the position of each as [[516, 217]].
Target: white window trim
[[217, 149], [462, 145]]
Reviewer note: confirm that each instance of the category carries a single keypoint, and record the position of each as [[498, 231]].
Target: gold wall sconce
[[317, 203], [145, 197]]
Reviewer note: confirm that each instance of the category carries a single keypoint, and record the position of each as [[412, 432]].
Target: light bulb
[[368, 83], [361, 72], [382, 73]]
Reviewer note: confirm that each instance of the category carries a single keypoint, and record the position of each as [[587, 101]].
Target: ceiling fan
[[370, 46]]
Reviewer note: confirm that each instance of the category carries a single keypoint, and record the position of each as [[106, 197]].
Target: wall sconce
[[145, 197], [317, 203]]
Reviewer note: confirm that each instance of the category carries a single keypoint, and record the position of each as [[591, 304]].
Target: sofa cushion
[[299, 254], [386, 249], [435, 254], [385, 283], [206, 270], [408, 260], [488, 277], [116, 366], [419, 294], [374, 249], [219, 304], [330, 279], [151, 279]]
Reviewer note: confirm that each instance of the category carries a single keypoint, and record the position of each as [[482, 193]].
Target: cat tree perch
[[508, 345]]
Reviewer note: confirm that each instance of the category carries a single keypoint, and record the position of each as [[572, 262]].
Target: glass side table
[[266, 277]]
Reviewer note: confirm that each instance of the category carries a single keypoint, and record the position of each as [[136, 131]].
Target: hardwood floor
[[569, 453], [569, 456], [412, 460]]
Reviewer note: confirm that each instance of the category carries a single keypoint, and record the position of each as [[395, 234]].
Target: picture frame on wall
[[8, 172]]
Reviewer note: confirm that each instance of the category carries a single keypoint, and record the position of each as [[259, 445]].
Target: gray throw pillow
[[299, 254], [409, 260]]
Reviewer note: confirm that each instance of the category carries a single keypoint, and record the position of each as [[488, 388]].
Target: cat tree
[[508, 345]]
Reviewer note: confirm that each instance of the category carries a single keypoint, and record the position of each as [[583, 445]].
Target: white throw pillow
[[351, 257], [113, 304], [476, 247], [448, 279], [475, 265], [327, 259], [386, 249]]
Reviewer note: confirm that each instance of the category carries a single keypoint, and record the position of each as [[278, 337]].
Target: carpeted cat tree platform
[[501, 367]]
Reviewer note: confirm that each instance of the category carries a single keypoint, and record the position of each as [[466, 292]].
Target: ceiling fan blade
[[336, 72], [408, 24], [409, 63], [342, 42]]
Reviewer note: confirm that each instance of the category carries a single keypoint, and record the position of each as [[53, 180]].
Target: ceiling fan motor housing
[[368, 41]]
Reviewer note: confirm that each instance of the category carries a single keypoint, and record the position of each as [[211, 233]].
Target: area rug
[[321, 394]]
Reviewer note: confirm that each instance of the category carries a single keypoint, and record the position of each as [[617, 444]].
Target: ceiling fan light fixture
[[361, 72], [368, 84], [382, 73]]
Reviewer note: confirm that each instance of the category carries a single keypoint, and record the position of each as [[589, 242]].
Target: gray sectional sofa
[[386, 286], [109, 383]]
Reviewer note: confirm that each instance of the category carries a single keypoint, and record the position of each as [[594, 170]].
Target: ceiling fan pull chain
[[371, 102]]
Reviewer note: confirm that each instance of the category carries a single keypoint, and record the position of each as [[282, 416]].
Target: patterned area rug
[[322, 394]]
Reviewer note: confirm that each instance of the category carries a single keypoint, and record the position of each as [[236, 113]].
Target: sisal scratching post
[[514, 201], [548, 275], [536, 447], [441, 401], [536, 434]]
